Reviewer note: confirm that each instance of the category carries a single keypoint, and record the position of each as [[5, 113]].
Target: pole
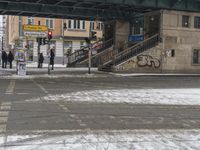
[[89, 52], [49, 57], [63, 40], [38, 51], [1, 48], [89, 67]]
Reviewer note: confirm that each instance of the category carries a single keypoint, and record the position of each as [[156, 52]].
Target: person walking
[[4, 59], [41, 59], [10, 58], [52, 56]]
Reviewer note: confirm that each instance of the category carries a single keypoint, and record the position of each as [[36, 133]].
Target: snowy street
[[100, 112]]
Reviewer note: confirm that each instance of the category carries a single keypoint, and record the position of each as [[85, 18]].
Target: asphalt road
[[17, 115]]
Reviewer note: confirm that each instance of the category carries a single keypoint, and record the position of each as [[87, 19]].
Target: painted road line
[[4, 112], [11, 87], [5, 106], [40, 86]]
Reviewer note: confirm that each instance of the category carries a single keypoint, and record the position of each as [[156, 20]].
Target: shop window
[[185, 21], [196, 56]]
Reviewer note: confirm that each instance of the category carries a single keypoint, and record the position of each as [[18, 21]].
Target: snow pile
[[112, 140], [136, 96]]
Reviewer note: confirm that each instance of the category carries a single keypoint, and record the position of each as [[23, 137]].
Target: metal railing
[[136, 49], [114, 58], [81, 56]]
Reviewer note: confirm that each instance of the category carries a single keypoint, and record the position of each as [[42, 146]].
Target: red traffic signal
[[49, 35]]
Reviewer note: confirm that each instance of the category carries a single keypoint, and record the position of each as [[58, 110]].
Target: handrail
[[82, 54], [138, 48], [138, 44]]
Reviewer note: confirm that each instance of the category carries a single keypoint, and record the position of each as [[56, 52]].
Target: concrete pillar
[[122, 31]]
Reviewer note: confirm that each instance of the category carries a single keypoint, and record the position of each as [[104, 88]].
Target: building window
[[99, 26], [75, 24], [78, 24], [185, 21], [31, 20], [69, 24], [92, 25], [196, 56], [197, 22], [83, 25], [49, 23]]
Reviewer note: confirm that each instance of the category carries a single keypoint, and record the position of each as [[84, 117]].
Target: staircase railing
[[100, 49], [82, 54], [78, 55], [115, 58], [136, 49]]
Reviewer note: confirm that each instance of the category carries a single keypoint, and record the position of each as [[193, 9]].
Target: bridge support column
[[122, 31]]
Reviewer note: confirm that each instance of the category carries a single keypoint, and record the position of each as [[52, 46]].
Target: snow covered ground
[[135, 96], [111, 140]]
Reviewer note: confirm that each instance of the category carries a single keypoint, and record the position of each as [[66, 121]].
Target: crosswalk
[[11, 87], [4, 112]]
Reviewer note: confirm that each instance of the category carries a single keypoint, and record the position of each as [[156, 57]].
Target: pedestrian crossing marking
[[11, 87]]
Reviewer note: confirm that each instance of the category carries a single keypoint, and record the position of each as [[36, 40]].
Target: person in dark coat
[[10, 58], [52, 56], [41, 59], [4, 59]]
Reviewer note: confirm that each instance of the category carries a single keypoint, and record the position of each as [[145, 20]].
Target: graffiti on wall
[[147, 60], [130, 64]]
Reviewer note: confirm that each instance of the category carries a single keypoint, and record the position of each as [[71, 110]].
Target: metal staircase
[[114, 58], [80, 57]]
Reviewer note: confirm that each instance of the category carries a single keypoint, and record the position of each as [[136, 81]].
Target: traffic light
[[93, 34], [49, 35], [39, 40]]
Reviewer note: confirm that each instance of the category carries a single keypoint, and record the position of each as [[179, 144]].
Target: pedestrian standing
[[4, 59], [41, 59], [52, 56], [10, 58]]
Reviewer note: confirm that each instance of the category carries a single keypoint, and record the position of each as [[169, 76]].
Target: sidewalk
[[59, 71]]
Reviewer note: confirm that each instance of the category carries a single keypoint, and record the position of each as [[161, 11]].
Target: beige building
[[178, 49], [74, 35]]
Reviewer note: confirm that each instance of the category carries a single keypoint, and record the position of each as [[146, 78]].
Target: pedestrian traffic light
[[49, 35], [93, 34]]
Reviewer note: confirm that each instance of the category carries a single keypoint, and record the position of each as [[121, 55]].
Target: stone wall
[[181, 40], [149, 61]]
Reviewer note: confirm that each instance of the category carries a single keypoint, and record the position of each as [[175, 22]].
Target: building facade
[[68, 35], [178, 50]]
